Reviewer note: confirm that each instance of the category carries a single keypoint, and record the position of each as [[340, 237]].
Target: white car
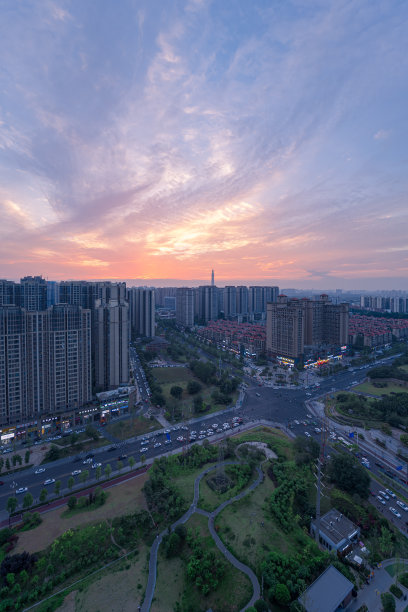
[[167, 441], [380, 499], [39, 470], [180, 439], [210, 432], [219, 430], [157, 445], [76, 472], [96, 465], [395, 512], [193, 433], [235, 424], [390, 493], [49, 481], [201, 437], [402, 505], [384, 495], [215, 425], [21, 490], [144, 449], [307, 434]]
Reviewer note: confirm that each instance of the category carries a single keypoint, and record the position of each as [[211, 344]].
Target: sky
[[161, 139]]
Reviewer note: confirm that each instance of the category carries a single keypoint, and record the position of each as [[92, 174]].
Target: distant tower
[[212, 278]]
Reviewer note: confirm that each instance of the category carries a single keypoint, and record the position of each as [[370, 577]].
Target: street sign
[[168, 436], [399, 467]]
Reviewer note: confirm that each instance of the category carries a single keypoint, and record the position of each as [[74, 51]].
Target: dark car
[[389, 474], [122, 457], [89, 456], [112, 448], [75, 459]]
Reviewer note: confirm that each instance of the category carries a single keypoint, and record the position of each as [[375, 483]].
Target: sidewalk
[[371, 594]]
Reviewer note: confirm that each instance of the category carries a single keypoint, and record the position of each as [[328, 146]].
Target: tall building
[[45, 361], [258, 297], [293, 324], [52, 293], [111, 344], [242, 300], [285, 328], [10, 293], [212, 278], [185, 306], [207, 303], [33, 293], [230, 301], [142, 312]]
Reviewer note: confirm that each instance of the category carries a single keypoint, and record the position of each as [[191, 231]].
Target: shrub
[[388, 602], [404, 579], [261, 606], [72, 502], [395, 590]]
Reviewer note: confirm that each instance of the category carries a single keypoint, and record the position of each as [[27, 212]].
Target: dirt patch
[[261, 446], [69, 603], [123, 499]]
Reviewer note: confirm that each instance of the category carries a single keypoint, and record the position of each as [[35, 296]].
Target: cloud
[[381, 135]]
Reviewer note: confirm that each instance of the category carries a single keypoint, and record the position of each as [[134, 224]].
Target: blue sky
[[162, 139]]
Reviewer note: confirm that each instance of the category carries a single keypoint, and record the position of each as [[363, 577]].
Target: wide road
[[279, 405]]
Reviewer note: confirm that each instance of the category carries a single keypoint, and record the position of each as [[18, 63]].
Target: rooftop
[[327, 591], [336, 526]]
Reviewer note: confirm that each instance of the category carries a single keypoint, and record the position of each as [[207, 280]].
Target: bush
[[72, 502], [388, 602], [403, 579], [395, 590], [261, 606]]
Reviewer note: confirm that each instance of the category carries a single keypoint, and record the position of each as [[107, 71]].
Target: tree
[[176, 391], [8, 464], [282, 594], [27, 456], [73, 439], [98, 472], [91, 432], [385, 542], [349, 475], [132, 462], [143, 459], [12, 504], [193, 387], [57, 487], [71, 483], [261, 606], [1, 463], [84, 475], [72, 502], [108, 470], [28, 500], [120, 465], [43, 495]]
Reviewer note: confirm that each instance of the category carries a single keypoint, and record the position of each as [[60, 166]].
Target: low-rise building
[[330, 592], [336, 532]]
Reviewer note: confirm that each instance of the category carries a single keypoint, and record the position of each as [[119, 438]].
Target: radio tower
[[212, 278], [320, 465]]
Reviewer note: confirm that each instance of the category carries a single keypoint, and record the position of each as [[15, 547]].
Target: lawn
[[372, 390], [248, 529], [210, 500], [276, 439], [124, 498], [116, 590], [172, 375], [172, 585], [131, 427]]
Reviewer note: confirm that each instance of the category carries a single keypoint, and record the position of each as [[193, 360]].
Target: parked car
[[21, 490], [395, 512], [76, 472], [39, 470], [49, 481]]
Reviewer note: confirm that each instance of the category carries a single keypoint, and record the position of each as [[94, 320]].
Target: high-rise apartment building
[[207, 303], [10, 293], [142, 312], [45, 361], [111, 344], [285, 328], [230, 301], [242, 300], [33, 293], [185, 306], [293, 324], [258, 297]]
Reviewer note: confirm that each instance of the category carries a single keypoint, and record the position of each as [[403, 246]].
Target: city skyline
[[158, 142]]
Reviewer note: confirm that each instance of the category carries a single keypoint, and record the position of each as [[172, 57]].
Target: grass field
[[240, 527], [172, 585], [129, 428], [210, 500], [123, 499], [277, 440], [371, 390], [118, 590]]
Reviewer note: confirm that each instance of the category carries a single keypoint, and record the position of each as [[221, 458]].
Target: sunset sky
[[158, 139]]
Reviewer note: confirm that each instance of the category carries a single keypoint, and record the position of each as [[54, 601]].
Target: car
[[21, 490], [402, 505], [166, 431], [390, 493], [167, 441], [39, 470], [144, 449], [317, 430], [201, 437], [202, 432], [76, 472], [122, 457], [49, 481], [215, 425], [87, 461], [112, 448], [296, 422], [235, 424], [219, 430], [1, 483], [307, 434], [380, 499], [96, 465], [210, 432], [179, 439], [384, 495], [157, 444], [395, 512], [193, 433]]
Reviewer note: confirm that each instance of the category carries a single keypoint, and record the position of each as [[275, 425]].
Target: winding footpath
[[151, 582]]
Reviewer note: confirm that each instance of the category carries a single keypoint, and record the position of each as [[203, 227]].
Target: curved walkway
[[151, 582]]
